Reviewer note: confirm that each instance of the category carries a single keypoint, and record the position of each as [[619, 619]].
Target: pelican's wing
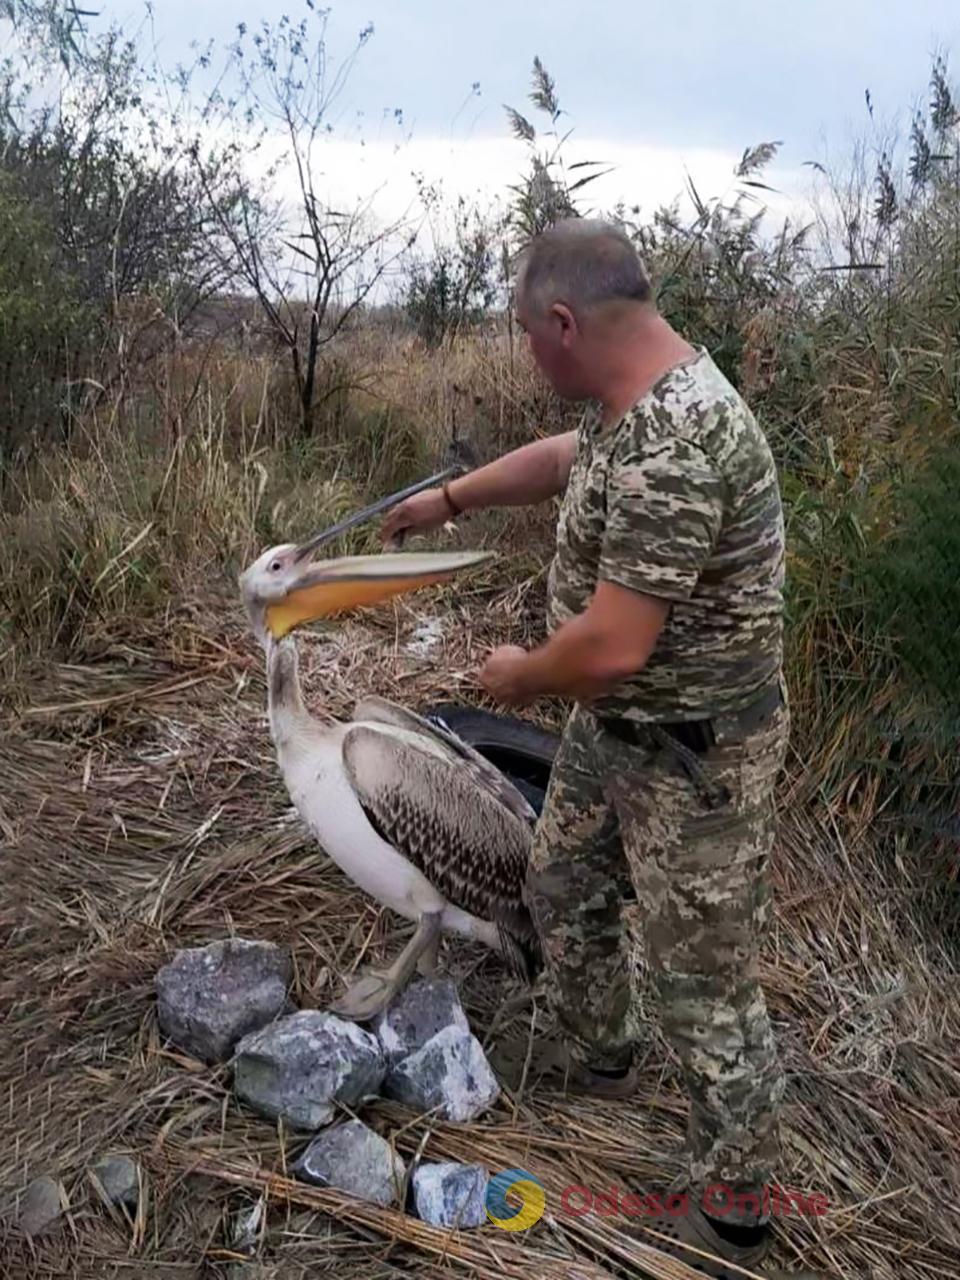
[[437, 812], [455, 749]]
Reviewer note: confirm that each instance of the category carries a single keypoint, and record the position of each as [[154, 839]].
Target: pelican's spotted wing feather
[[436, 809], [459, 752]]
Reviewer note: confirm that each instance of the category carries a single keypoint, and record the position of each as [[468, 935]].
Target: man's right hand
[[419, 514]]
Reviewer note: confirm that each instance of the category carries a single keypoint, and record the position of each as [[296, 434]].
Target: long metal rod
[[359, 517]]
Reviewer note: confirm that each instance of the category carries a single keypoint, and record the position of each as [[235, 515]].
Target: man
[[665, 622]]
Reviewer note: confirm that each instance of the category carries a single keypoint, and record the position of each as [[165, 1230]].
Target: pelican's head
[[265, 582], [285, 587]]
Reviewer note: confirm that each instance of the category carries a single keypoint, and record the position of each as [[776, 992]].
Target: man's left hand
[[502, 675], [585, 657]]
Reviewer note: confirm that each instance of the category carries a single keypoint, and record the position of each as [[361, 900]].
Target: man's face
[[553, 340]]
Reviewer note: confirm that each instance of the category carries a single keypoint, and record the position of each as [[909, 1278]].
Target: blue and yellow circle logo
[[523, 1185]]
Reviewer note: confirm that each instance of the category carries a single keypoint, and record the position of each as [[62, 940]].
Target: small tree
[[310, 265], [454, 287], [44, 325], [51, 24], [89, 149]]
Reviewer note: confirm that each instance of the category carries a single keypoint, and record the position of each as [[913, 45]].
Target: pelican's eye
[[276, 566]]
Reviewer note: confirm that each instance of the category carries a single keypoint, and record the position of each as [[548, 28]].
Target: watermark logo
[[577, 1200], [718, 1201], [522, 1186]]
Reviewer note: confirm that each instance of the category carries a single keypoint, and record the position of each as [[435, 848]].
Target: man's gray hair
[[581, 262]]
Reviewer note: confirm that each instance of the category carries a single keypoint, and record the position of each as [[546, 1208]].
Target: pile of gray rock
[[228, 1002]]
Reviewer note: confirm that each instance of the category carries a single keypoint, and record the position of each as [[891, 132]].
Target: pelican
[[414, 816]]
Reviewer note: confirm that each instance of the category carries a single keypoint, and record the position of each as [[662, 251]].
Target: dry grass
[[183, 476], [140, 811]]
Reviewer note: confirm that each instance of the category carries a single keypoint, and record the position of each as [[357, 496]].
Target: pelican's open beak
[[334, 586]]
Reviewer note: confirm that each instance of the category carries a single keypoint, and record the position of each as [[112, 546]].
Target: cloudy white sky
[[658, 88]]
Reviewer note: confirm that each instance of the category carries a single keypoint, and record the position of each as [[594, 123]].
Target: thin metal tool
[[359, 517]]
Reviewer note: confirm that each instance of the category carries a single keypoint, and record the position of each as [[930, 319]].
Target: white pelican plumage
[[414, 816]]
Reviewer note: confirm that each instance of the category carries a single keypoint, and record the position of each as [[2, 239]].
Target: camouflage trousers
[[619, 816]]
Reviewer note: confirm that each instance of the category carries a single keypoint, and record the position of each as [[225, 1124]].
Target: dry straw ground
[[141, 811]]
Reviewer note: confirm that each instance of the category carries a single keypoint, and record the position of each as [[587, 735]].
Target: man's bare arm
[[587, 656], [533, 473], [527, 475]]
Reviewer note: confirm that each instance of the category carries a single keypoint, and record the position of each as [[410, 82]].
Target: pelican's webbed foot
[[367, 997], [371, 994]]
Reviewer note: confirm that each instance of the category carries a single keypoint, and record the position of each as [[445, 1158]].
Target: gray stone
[[119, 1177], [301, 1065], [450, 1194], [352, 1158], [41, 1206], [450, 1072], [416, 1015], [208, 997]]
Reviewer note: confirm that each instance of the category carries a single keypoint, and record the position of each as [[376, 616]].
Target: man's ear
[[567, 321]]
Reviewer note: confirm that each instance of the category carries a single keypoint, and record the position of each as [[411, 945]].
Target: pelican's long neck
[[288, 716]]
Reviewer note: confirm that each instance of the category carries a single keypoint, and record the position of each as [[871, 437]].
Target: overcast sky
[[656, 87]]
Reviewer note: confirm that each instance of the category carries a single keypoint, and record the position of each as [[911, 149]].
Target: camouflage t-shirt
[[680, 499]]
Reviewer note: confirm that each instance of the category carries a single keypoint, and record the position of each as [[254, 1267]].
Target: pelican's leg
[[372, 993], [427, 964]]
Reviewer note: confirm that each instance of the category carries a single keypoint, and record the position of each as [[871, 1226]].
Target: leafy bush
[[44, 325], [454, 288], [911, 579]]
